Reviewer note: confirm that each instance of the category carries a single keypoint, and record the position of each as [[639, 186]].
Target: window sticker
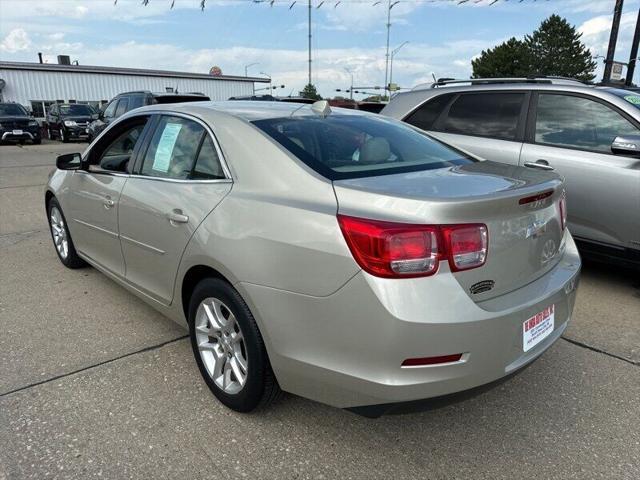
[[635, 99], [166, 144]]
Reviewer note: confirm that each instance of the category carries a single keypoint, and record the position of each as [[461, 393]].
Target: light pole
[[246, 73], [391, 66], [386, 67], [351, 87], [246, 68], [269, 76]]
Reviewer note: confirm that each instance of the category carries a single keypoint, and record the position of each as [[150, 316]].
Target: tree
[[310, 91], [509, 59], [555, 49]]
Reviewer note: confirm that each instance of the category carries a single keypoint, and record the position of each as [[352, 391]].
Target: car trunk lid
[[519, 206]]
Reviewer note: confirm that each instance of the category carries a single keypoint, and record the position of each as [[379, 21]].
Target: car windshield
[[76, 109], [350, 146], [12, 110]]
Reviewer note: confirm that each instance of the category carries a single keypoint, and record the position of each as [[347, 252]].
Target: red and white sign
[[537, 328]]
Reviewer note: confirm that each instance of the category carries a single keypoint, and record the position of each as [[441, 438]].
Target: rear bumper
[[347, 349]]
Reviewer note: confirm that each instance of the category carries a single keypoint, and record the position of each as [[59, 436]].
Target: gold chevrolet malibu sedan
[[338, 255]]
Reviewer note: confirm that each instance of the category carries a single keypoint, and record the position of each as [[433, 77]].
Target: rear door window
[[495, 115], [207, 165], [173, 149], [426, 115], [136, 101], [111, 109], [123, 103], [578, 122]]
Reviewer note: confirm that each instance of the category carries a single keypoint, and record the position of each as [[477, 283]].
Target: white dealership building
[[39, 85]]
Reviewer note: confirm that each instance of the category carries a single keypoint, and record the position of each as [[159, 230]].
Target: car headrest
[[375, 150]]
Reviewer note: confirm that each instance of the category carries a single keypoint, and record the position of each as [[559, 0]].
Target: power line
[[334, 3]]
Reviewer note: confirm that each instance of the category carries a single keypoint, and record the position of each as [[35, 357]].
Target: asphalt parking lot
[[95, 384]]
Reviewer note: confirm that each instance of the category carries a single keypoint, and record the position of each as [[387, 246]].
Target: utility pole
[[613, 39], [634, 53], [309, 42], [351, 87], [386, 67]]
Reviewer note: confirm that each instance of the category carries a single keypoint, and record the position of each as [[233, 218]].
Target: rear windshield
[[76, 109], [179, 98], [351, 146]]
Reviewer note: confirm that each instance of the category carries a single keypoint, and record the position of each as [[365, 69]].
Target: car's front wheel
[[228, 347], [61, 237]]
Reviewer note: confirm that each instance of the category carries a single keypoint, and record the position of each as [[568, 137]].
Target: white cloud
[[412, 65], [364, 16], [595, 35], [16, 40]]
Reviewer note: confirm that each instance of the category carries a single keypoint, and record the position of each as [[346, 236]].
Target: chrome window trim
[[145, 177], [221, 157], [146, 113]]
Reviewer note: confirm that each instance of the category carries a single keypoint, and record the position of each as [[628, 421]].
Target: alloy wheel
[[59, 232], [221, 345]]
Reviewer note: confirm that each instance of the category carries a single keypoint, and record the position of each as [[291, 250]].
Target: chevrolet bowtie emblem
[[536, 229]]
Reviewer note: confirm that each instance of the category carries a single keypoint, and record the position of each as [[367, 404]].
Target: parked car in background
[[339, 255], [16, 125], [590, 135], [125, 102], [69, 121]]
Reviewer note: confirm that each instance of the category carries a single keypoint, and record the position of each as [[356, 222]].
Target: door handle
[[540, 164], [176, 216], [107, 202]]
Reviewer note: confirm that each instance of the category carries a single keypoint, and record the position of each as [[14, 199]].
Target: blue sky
[[443, 36]]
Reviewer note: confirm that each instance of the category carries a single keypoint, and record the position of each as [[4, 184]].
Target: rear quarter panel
[[277, 227]]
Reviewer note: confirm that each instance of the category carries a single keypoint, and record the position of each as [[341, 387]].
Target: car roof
[[248, 110], [405, 102]]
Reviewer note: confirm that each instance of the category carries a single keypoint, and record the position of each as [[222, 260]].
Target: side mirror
[[628, 145], [69, 161]]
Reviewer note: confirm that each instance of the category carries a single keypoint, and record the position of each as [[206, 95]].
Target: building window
[[37, 108], [47, 104]]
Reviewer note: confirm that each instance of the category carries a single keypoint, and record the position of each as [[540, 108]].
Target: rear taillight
[[398, 250], [467, 246], [563, 211]]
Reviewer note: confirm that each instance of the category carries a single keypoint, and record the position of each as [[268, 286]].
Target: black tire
[[261, 387], [72, 259], [37, 141], [63, 136]]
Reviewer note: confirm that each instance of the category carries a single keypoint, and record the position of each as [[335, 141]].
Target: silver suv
[[590, 135]]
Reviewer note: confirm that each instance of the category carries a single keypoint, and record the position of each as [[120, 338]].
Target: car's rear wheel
[[61, 237], [228, 347]]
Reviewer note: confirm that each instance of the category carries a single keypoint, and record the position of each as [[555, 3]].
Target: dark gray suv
[[588, 134], [127, 101]]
